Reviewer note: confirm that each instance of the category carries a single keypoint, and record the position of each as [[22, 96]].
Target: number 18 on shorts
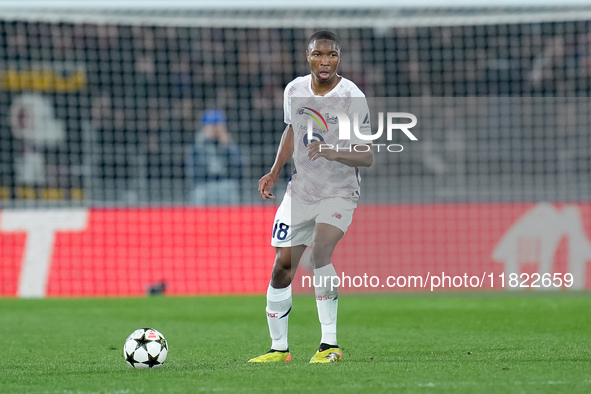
[[295, 220]]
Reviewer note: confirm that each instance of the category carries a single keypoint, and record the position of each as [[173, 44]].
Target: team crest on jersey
[[330, 119]]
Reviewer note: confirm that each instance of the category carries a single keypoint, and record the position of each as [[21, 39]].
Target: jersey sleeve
[[360, 108], [287, 105]]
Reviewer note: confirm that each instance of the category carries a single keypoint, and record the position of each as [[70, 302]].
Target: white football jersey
[[316, 180]]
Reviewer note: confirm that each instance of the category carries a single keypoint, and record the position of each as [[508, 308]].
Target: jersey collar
[[327, 93]]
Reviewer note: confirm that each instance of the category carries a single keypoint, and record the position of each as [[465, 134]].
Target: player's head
[[324, 55], [325, 35]]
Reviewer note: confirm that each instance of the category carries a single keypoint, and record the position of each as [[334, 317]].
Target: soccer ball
[[145, 348]]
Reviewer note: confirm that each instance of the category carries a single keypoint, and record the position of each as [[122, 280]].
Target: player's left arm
[[360, 155]]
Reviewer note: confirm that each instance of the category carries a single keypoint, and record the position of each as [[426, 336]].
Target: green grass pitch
[[416, 345]]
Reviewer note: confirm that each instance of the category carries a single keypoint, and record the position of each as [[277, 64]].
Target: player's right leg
[[279, 303]]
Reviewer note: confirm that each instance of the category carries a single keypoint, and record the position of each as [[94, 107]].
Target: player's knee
[[321, 254], [281, 275], [283, 259]]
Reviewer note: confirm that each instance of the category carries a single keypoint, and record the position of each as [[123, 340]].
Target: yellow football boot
[[328, 356], [272, 356]]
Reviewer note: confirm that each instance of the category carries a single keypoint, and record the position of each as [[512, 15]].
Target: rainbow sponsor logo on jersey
[[316, 116], [313, 134]]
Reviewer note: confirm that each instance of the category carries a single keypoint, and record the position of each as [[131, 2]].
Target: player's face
[[324, 57]]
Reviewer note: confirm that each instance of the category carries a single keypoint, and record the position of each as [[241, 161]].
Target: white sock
[[327, 302], [278, 308]]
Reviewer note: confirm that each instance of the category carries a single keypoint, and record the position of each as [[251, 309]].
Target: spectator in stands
[[214, 163], [33, 120], [548, 68]]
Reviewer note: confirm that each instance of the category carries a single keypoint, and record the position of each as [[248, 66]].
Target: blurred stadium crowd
[[142, 92]]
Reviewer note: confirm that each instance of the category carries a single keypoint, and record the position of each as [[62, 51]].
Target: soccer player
[[321, 196]]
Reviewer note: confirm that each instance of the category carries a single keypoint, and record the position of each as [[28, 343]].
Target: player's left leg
[[334, 216], [326, 237]]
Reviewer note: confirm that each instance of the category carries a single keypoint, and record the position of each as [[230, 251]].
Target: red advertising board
[[122, 252]]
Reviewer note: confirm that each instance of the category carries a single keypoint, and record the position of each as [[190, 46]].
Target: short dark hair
[[325, 35]]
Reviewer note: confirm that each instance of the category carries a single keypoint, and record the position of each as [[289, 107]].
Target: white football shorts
[[295, 219]]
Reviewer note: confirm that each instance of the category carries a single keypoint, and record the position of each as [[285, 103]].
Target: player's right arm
[[284, 153]]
